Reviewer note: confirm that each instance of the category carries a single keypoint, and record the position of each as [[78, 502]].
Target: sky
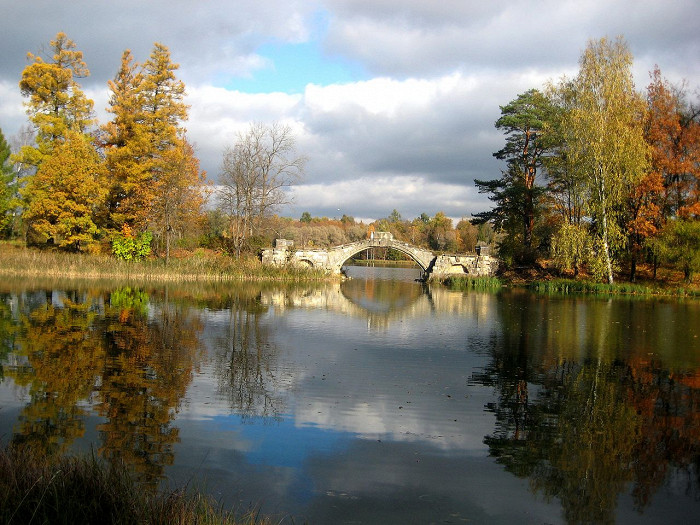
[[393, 102]]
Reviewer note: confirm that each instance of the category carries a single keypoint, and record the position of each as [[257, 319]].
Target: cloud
[[375, 197]]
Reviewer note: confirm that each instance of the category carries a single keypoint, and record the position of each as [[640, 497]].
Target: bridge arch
[[367, 245]]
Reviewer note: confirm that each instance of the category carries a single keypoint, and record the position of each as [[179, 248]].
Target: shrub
[[127, 246]]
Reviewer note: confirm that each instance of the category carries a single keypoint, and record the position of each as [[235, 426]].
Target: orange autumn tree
[[63, 189], [155, 181], [673, 132], [56, 102], [127, 146]]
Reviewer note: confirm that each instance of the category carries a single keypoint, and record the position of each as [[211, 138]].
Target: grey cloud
[[207, 39], [427, 38]]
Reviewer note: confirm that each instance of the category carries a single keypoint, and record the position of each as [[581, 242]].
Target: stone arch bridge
[[332, 259]]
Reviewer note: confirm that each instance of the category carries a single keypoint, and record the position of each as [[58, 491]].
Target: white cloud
[[375, 197]]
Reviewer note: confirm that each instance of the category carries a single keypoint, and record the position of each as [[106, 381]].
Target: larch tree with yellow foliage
[[56, 102], [64, 196], [62, 192], [126, 149]]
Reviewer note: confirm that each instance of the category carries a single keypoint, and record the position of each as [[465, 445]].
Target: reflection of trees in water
[[104, 349], [583, 429], [59, 350], [244, 361], [148, 366]]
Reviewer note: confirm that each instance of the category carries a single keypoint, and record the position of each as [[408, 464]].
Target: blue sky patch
[[293, 66]]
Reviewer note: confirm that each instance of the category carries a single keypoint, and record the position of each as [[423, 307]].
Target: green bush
[[128, 247]]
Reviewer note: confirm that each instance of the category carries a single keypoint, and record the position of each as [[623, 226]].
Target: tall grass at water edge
[[569, 286], [198, 266], [68, 490]]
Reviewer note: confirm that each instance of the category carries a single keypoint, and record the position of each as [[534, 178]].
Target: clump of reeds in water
[[465, 283], [38, 489]]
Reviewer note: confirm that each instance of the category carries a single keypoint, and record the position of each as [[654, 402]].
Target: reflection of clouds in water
[[386, 420], [333, 376]]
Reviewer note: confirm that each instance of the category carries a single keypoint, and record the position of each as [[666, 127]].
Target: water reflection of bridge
[[380, 302]]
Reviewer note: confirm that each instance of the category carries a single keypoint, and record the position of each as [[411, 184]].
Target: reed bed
[[66, 490], [197, 266], [466, 283], [570, 286]]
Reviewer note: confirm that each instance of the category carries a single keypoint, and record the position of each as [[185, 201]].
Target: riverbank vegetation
[[35, 488]]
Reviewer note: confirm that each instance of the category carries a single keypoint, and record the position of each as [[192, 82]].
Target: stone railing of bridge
[[332, 259]]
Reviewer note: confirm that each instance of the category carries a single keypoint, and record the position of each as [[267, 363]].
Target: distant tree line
[[599, 177]]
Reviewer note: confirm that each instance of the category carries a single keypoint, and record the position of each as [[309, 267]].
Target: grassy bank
[[200, 265], [35, 489]]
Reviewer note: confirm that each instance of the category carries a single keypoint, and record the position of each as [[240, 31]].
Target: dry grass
[[200, 265], [69, 490]]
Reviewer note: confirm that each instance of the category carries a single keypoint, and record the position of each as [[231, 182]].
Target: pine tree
[[8, 188]]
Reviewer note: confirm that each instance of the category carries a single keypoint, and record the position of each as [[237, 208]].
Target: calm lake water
[[374, 400]]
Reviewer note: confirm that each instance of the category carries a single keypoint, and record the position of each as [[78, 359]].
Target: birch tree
[[605, 140]]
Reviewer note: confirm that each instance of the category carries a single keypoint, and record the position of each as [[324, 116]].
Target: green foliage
[[8, 188], [572, 286], [571, 246], [679, 243], [517, 197], [131, 299], [129, 247]]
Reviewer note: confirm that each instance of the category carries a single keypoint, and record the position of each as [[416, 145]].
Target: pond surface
[[374, 400]]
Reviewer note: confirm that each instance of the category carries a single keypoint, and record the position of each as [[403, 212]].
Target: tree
[[155, 180], [394, 216], [679, 243], [673, 132], [7, 188], [255, 174], [441, 235], [56, 103], [127, 146], [180, 196], [605, 140], [517, 197], [65, 193]]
